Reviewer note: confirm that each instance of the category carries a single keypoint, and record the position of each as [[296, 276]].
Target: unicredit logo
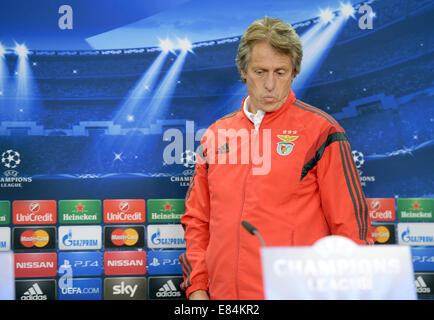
[[34, 218], [118, 211], [386, 215], [34, 207], [124, 216], [124, 206], [34, 212]]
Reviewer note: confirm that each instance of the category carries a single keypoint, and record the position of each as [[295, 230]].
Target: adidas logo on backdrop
[[34, 293], [421, 286], [168, 290]]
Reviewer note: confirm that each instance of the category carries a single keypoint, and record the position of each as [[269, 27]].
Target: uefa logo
[[359, 161], [11, 160]]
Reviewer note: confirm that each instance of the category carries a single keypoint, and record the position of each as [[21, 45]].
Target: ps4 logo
[[164, 262], [82, 263]]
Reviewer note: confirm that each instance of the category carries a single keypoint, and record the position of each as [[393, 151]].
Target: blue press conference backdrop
[[85, 100]]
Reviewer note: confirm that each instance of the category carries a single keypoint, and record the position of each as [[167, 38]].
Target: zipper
[[237, 254]]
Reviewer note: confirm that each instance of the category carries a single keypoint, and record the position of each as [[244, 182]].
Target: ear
[[243, 76]]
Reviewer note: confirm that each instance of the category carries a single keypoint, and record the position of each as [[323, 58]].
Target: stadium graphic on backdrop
[[101, 114]]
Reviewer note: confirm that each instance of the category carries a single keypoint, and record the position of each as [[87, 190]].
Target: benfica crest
[[285, 146]]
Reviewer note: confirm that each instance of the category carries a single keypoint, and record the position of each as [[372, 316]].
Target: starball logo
[[10, 161]]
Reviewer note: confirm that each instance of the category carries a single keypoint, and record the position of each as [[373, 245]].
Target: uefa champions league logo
[[188, 159], [11, 159], [359, 161]]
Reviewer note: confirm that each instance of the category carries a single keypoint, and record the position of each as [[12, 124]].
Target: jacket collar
[[272, 115]]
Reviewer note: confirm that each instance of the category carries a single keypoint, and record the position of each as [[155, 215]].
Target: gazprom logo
[[405, 236], [67, 239], [416, 233], [166, 236], [80, 237], [155, 238]]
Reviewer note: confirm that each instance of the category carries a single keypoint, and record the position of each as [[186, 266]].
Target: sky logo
[[81, 289], [164, 262], [82, 263]]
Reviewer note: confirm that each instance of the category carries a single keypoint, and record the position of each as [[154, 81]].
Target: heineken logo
[[5, 212], [168, 206], [165, 210], [79, 211], [416, 209]]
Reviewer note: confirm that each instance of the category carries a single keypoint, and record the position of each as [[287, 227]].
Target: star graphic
[[416, 206], [168, 207], [118, 156], [79, 207]]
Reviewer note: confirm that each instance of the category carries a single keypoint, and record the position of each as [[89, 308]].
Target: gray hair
[[281, 36]]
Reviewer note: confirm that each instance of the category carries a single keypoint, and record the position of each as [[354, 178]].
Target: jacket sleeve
[[195, 222], [342, 197]]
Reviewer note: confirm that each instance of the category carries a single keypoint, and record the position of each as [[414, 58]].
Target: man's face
[[268, 77]]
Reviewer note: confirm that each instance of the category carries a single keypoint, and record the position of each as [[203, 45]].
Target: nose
[[270, 81]]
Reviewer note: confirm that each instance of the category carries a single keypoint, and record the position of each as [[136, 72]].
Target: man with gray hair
[[311, 190]]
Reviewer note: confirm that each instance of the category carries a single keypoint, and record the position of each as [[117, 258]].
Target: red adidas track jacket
[[312, 189]]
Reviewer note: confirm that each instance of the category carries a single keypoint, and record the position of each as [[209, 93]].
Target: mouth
[[269, 99]]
